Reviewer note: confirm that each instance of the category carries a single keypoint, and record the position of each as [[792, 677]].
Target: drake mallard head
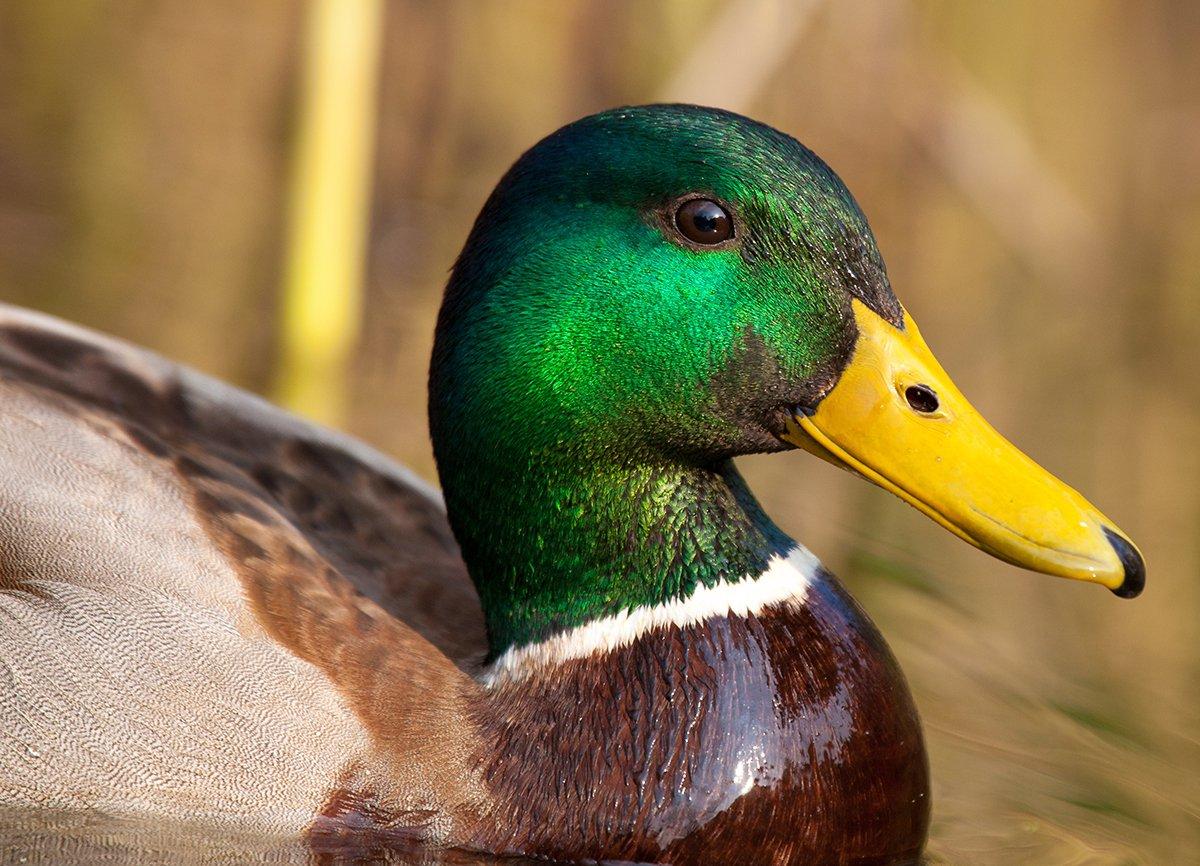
[[653, 291]]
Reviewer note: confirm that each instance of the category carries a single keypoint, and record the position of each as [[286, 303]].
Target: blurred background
[[274, 191]]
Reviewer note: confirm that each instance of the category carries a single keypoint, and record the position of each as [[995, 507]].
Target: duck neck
[[568, 545]]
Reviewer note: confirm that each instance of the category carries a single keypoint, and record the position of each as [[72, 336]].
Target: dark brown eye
[[703, 221]]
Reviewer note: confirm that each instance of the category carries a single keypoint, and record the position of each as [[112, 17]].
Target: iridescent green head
[[648, 293], [604, 349], [589, 312]]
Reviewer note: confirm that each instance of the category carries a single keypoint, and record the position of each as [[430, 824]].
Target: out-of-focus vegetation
[[1032, 172], [329, 204]]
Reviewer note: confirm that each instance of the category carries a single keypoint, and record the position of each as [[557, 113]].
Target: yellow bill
[[895, 418]]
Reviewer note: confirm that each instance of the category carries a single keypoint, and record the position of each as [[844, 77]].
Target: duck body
[[601, 648], [156, 665]]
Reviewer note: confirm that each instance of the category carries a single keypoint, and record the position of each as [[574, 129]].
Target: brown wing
[[380, 532], [209, 608]]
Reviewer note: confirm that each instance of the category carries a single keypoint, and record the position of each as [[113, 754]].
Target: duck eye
[[922, 398], [703, 221]]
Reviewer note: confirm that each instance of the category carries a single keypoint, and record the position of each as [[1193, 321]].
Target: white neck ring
[[784, 582]]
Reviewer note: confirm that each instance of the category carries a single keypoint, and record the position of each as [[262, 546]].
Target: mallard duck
[[601, 648]]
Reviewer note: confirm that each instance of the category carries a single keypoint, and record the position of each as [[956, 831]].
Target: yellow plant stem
[[329, 205]]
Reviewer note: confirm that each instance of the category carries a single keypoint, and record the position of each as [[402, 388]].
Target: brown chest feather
[[784, 738]]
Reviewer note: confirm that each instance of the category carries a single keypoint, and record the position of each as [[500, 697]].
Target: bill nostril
[[1134, 565], [922, 398]]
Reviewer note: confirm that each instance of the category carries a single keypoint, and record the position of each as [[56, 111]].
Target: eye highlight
[[703, 221]]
